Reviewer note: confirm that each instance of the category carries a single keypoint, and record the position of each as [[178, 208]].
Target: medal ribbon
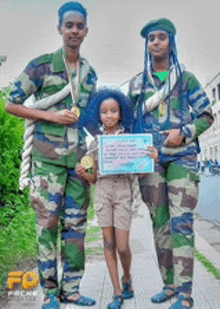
[[74, 86]]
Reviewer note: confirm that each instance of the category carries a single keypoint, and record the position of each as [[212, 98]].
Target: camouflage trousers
[[171, 195], [59, 195]]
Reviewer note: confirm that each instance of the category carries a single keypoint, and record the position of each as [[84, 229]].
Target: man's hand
[[64, 117], [174, 139], [61, 117]]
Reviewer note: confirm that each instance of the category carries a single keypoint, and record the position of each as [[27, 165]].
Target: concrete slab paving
[[209, 230]]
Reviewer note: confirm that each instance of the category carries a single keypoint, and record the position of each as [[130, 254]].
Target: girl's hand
[[174, 139], [81, 171], [152, 152]]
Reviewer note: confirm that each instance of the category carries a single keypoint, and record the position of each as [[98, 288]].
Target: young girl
[[117, 197]]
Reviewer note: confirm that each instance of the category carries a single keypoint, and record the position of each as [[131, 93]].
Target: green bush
[[17, 218], [11, 142]]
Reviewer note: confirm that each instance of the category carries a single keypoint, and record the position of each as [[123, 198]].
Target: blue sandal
[[181, 299], [117, 302], [127, 293], [80, 301], [53, 303], [163, 296]]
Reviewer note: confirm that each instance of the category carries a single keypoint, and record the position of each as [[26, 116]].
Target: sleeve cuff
[[189, 133]]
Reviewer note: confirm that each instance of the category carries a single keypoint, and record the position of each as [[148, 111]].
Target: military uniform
[[57, 191], [171, 193]]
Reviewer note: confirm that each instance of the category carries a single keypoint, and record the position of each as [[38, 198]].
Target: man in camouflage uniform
[[57, 192], [176, 120]]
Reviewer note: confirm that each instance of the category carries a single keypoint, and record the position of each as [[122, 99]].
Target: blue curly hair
[[91, 119]]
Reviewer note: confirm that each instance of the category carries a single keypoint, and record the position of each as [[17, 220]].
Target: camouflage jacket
[[44, 76], [192, 117]]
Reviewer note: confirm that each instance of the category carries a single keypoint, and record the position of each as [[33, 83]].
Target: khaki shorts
[[113, 201]]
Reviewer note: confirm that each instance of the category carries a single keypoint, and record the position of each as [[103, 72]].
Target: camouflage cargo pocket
[[191, 190]]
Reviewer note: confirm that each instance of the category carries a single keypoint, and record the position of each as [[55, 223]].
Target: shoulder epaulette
[[188, 75], [45, 58], [93, 70], [136, 76]]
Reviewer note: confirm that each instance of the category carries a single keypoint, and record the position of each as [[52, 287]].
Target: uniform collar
[[59, 66], [120, 130], [57, 62]]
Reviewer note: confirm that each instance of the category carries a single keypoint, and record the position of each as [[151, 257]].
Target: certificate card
[[125, 154]]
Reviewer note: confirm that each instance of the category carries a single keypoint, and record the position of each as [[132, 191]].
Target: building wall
[[210, 139]]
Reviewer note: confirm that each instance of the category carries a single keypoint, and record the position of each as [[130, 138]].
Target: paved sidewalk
[[146, 277]]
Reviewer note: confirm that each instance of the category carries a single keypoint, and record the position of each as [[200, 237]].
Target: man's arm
[[203, 117], [202, 111], [65, 118]]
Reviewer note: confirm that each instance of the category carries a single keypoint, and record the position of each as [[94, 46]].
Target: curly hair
[[91, 119]]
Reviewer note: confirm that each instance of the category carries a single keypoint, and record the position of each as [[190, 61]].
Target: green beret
[[158, 24]]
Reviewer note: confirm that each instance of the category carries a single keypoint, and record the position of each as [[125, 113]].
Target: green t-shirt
[[162, 75]]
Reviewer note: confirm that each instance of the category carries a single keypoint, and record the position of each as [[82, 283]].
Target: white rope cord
[[43, 104], [159, 96]]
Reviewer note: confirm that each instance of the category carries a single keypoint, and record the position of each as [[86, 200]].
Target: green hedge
[[17, 218]]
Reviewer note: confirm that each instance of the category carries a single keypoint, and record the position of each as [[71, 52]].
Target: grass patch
[[208, 265], [93, 241], [91, 211], [93, 234], [95, 251]]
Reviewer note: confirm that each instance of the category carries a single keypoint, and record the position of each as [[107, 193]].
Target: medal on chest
[[76, 111], [163, 109]]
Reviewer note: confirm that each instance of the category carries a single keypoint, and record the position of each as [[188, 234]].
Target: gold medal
[[76, 111], [163, 109], [87, 162]]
